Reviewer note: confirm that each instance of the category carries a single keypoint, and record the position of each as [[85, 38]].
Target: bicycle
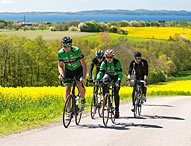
[[96, 101], [72, 105], [108, 104], [138, 99]]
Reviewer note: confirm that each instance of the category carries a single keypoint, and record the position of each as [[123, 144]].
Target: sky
[[81, 5]]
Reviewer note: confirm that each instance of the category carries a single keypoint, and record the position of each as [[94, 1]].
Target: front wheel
[[78, 113], [105, 109], [135, 104], [93, 106], [139, 107], [67, 113]]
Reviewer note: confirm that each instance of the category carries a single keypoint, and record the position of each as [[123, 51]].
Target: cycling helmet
[[106, 79], [66, 40], [99, 54], [109, 52], [137, 54]]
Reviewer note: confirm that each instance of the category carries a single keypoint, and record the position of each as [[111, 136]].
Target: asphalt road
[[165, 121]]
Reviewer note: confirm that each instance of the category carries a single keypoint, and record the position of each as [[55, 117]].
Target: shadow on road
[[163, 105], [162, 117], [120, 126], [153, 117], [139, 125]]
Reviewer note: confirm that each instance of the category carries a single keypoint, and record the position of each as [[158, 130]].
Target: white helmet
[[109, 52]]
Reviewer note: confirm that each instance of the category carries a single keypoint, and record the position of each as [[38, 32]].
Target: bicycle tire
[[93, 105], [112, 111], [105, 110], [139, 107], [68, 103], [100, 109], [135, 105], [78, 113]]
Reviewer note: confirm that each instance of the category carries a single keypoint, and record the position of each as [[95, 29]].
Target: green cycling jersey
[[72, 58], [112, 69]]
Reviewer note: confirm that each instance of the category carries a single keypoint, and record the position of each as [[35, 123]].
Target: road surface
[[165, 121]]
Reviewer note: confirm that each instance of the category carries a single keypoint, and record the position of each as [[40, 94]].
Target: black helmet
[[137, 54], [99, 54], [106, 79], [66, 40]]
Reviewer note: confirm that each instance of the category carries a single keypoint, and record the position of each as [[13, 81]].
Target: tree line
[[90, 26], [25, 62]]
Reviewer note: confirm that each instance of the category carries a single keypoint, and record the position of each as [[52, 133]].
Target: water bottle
[[98, 97], [77, 99]]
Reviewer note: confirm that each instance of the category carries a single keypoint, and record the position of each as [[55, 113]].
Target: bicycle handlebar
[[137, 81]]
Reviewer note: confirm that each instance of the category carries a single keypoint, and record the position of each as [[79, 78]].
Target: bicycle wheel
[[135, 106], [105, 110], [100, 108], [139, 107], [67, 110], [93, 106], [78, 113], [112, 111]]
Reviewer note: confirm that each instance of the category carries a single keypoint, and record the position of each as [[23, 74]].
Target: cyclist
[[140, 68], [96, 61], [75, 67], [112, 71]]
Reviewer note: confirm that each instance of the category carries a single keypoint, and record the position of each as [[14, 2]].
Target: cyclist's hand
[[118, 83], [90, 80], [82, 80], [97, 83], [128, 81], [60, 77], [145, 82]]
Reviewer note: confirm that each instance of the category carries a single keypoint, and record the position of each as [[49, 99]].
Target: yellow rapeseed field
[[157, 32], [38, 92]]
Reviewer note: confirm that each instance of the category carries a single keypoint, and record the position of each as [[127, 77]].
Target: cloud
[[5, 1]]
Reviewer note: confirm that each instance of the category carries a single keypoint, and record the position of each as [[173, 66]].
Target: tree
[[183, 24]]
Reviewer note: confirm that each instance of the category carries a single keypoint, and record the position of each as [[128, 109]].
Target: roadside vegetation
[[31, 107]]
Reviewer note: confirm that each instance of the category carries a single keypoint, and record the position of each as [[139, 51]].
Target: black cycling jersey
[[98, 64], [140, 69]]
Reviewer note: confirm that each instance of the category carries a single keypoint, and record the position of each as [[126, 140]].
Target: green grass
[[46, 34], [185, 75], [58, 35]]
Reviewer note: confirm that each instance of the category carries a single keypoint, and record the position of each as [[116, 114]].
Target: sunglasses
[[109, 57], [137, 58], [67, 45]]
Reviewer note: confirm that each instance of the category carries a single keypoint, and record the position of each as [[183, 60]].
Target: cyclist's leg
[[67, 84], [78, 75], [133, 94], [67, 74], [143, 88]]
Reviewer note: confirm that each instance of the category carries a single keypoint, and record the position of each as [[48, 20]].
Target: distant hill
[[115, 12]]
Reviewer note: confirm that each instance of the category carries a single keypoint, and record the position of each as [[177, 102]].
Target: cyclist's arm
[[101, 71], [146, 70], [91, 69], [130, 70], [60, 67], [84, 66], [119, 69]]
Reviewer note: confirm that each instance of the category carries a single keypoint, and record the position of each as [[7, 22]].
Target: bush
[[124, 32], [156, 75], [83, 27], [113, 29], [72, 28], [52, 28]]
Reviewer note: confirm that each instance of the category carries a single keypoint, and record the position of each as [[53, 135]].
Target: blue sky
[[80, 5]]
